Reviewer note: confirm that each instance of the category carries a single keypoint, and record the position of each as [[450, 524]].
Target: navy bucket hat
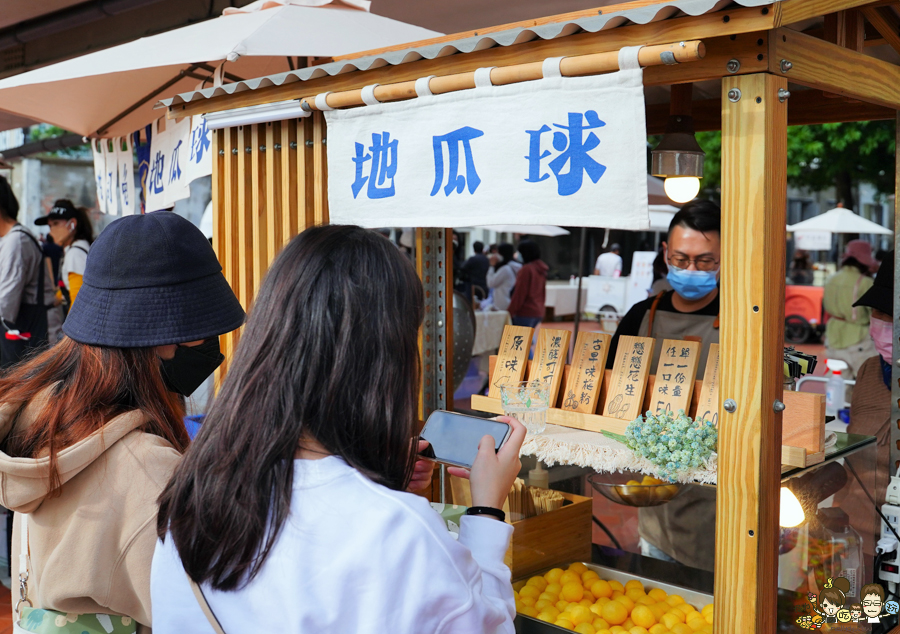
[[152, 280]]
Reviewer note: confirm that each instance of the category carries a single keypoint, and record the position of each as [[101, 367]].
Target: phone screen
[[454, 438]]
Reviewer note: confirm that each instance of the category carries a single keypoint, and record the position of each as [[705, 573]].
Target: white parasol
[[112, 92], [840, 220]]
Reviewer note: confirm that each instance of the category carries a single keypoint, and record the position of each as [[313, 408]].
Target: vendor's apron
[[685, 528], [663, 324]]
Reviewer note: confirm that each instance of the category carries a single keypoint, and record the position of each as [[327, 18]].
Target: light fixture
[[682, 189], [678, 157], [265, 113], [791, 514]]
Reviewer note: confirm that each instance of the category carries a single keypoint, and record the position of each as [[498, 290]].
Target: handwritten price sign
[[550, 359], [708, 407], [675, 375], [629, 378], [512, 359], [586, 373]]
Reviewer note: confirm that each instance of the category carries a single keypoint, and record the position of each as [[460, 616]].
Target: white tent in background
[[661, 217], [112, 92], [840, 220]]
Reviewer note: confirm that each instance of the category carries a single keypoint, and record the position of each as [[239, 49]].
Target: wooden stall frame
[[754, 164], [770, 54]]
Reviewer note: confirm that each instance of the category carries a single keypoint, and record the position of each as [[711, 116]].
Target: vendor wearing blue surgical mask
[[870, 408], [675, 531], [692, 308]]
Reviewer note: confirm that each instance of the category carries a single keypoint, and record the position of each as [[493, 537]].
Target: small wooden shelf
[[790, 456]]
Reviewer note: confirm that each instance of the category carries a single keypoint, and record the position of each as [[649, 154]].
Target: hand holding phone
[[422, 472], [453, 438], [494, 472]]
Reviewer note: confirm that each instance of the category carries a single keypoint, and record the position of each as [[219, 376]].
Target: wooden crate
[[547, 540]]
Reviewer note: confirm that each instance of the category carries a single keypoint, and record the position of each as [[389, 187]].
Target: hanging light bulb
[[682, 189], [791, 512], [678, 157]]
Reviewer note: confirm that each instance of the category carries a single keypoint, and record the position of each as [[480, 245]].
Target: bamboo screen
[[269, 183]]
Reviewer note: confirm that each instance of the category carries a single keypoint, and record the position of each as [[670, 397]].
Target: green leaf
[[617, 437]]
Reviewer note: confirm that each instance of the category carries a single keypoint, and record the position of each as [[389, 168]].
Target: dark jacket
[[530, 291], [474, 271]]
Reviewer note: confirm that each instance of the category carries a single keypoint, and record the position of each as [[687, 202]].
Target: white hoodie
[[354, 556]]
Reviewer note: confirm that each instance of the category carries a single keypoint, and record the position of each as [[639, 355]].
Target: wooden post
[[754, 161], [320, 182]]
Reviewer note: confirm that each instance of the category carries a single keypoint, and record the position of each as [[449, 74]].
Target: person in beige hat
[[847, 331]]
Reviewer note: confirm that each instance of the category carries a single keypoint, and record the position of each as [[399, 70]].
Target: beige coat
[[91, 545]]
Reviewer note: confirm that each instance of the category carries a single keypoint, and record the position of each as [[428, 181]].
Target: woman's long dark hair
[[84, 230], [530, 251], [330, 353], [9, 204], [506, 252]]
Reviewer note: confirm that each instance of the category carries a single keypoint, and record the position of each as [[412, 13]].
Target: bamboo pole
[[575, 66]]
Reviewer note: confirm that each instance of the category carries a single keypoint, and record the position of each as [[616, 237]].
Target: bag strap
[[207, 611], [24, 566], [653, 308], [39, 300]]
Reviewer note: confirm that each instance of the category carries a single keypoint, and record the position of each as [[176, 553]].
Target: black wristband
[[486, 510]]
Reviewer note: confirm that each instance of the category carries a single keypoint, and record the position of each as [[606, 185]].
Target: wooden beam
[[320, 170], [805, 107], [846, 29], [681, 99], [709, 27], [790, 11], [706, 113], [246, 247], [275, 214], [885, 20], [220, 234], [754, 187], [257, 209], [820, 64], [571, 66]]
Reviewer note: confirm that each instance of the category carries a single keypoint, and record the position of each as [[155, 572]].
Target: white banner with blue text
[[563, 150]]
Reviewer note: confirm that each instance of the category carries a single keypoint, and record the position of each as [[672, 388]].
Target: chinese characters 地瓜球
[[565, 152]]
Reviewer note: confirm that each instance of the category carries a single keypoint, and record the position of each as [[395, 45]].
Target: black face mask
[[191, 366]]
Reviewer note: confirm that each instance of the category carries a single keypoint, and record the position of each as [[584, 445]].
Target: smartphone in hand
[[453, 438]]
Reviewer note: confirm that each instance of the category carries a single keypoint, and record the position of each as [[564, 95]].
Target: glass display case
[[830, 528]]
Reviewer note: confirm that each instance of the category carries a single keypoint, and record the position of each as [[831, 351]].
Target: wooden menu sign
[[550, 358], [628, 381], [675, 376], [708, 406], [586, 372], [512, 358]]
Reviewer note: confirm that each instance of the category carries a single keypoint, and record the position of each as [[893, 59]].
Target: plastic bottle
[[539, 477], [843, 550], [834, 389], [573, 281]]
